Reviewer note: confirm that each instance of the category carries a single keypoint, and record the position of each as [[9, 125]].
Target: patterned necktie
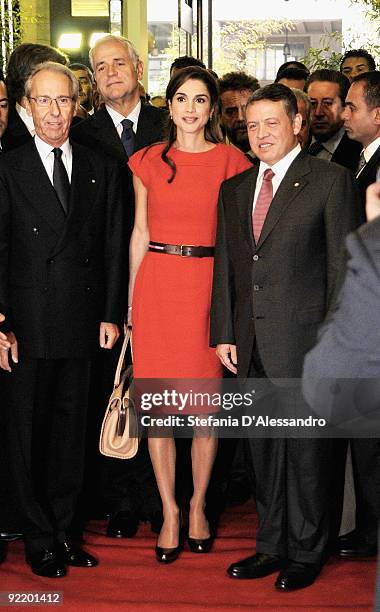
[[128, 136], [361, 164], [263, 201], [61, 180], [315, 148]]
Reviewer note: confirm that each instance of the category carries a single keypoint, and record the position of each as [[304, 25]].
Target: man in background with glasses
[[61, 273]]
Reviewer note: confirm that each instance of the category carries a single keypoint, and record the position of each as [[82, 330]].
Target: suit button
[[35, 231], [256, 288], [255, 258], [50, 261], [88, 288], [86, 261]]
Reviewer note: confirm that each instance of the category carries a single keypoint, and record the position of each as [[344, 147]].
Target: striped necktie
[[263, 202]]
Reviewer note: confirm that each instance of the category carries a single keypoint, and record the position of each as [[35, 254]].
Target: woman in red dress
[[176, 187]]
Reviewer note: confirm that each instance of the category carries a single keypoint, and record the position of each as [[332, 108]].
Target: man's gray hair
[[301, 95], [53, 67], [132, 51]]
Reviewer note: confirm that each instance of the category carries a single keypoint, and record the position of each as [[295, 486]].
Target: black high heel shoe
[[198, 545], [201, 545], [168, 555]]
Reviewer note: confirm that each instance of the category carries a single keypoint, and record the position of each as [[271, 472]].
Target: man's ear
[[297, 123], [139, 70], [76, 107], [26, 104]]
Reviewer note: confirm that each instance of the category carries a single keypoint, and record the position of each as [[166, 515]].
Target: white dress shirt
[[117, 117], [47, 156], [368, 152], [280, 169], [371, 149], [330, 146], [25, 118]]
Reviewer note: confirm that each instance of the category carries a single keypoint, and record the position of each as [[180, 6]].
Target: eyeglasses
[[62, 101]]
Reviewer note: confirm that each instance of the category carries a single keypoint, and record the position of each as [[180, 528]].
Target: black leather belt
[[184, 250]]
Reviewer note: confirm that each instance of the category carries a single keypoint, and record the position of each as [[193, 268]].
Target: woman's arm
[[139, 239]]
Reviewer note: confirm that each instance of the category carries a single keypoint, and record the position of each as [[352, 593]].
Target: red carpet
[[129, 578]]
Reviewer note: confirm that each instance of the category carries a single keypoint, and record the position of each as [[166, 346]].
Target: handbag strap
[[120, 363]]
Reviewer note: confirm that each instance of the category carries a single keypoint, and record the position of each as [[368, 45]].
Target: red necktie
[[262, 204]]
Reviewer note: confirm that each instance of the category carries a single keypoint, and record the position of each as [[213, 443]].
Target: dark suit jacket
[[368, 175], [60, 276], [279, 290], [98, 132], [349, 342], [347, 153], [16, 134]]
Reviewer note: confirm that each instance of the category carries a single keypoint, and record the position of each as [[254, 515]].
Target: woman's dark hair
[[212, 128]]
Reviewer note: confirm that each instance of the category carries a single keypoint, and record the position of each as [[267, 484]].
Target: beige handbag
[[120, 433]]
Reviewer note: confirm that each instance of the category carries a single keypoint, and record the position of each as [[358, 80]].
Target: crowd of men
[[66, 212]]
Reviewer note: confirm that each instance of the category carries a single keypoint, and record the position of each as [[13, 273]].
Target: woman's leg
[[203, 452], [163, 456]]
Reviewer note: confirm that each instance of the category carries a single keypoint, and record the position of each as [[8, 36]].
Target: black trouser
[[292, 488], [46, 405], [365, 453]]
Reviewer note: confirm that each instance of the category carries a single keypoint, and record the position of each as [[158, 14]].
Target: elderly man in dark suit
[[274, 278], [22, 61], [61, 289], [327, 90], [123, 125]]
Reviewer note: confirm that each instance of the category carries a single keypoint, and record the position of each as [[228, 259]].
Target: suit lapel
[[146, 129], [244, 197], [38, 189], [107, 135], [292, 184], [369, 169], [82, 196]]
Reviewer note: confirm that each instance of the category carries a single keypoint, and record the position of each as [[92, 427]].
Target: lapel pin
[[296, 184], [92, 180]]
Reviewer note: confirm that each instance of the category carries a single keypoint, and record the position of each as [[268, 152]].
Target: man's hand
[[8, 343], [373, 201], [108, 334], [227, 355]]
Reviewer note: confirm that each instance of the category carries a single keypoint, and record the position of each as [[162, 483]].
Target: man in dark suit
[[4, 105], [123, 125], [362, 122], [22, 61], [61, 290], [272, 288], [349, 348], [361, 117], [327, 90], [3, 126]]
